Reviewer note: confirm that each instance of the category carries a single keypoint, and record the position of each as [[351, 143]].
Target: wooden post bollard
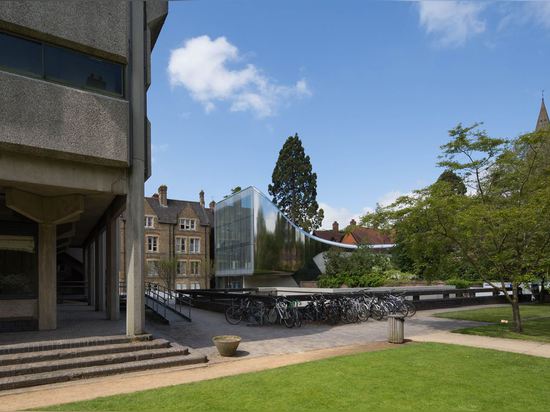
[[396, 326]]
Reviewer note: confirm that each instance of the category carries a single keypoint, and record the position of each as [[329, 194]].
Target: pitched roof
[[367, 235], [542, 122], [329, 235], [170, 213]]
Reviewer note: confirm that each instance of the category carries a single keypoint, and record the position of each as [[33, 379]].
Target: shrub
[[459, 283]]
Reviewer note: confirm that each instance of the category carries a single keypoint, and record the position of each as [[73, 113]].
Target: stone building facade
[[180, 231], [75, 150]]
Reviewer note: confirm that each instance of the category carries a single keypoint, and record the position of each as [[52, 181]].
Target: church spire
[[543, 122]]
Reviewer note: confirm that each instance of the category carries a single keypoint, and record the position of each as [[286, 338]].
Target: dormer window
[[188, 224], [149, 222]]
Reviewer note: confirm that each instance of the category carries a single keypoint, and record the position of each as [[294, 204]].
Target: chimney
[[212, 205], [163, 195], [201, 198], [335, 226], [352, 222]]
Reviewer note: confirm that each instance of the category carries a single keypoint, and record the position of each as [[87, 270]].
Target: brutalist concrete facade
[[71, 158]]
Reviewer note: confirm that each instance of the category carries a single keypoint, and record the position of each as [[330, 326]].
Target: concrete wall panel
[[42, 116], [99, 24], [18, 308]]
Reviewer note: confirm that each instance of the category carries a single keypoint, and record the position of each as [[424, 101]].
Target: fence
[[423, 298]]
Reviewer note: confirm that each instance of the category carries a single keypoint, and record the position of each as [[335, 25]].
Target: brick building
[[179, 230], [357, 235]]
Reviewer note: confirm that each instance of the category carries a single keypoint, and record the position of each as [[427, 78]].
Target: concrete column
[[135, 304], [102, 281], [91, 272], [97, 277], [47, 276], [113, 304]]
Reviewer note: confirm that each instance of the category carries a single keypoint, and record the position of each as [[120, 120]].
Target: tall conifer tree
[[294, 186]]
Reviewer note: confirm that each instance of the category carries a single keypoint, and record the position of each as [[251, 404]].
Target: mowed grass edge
[[427, 377], [536, 322]]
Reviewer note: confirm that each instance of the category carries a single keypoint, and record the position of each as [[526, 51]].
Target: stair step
[[90, 361], [22, 381], [78, 352], [70, 343]]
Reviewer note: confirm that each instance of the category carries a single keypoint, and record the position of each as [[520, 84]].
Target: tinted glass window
[[82, 71], [20, 55]]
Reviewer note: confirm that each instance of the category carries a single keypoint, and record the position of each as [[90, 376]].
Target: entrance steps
[[39, 363]]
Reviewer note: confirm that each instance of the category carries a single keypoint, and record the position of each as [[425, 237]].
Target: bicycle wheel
[[376, 313], [233, 315], [364, 313], [411, 309], [272, 316], [297, 318]]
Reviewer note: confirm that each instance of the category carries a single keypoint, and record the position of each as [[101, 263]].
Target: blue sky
[[371, 87]]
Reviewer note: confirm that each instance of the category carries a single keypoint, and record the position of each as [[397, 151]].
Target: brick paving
[[81, 321]]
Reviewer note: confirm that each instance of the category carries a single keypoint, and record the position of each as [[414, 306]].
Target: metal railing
[[161, 299]]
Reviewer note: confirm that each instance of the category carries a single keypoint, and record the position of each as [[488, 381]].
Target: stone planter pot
[[227, 344]]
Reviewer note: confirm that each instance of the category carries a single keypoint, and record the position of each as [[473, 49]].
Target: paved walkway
[[41, 396], [80, 321], [507, 345], [261, 348]]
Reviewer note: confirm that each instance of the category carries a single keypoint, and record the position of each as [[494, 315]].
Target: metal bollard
[[396, 328]]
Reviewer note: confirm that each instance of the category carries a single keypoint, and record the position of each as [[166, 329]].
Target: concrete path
[[42, 396], [507, 345]]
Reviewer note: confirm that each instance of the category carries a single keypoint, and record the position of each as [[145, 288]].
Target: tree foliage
[[166, 269], [499, 232], [294, 186], [359, 268], [456, 185], [234, 190]]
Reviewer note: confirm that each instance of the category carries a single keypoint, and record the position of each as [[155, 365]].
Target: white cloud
[[453, 22], [202, 67], [341, 215], [539, 11], [388, 198]]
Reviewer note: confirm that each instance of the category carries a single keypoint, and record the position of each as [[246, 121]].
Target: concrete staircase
[[39, 363]]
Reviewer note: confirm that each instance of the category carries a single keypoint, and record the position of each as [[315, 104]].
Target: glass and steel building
[[256, 245]]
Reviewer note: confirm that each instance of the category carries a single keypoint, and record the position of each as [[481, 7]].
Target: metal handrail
[[164, 299]]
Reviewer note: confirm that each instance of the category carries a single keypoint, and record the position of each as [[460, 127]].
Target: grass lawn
[[536, 322], [414, 377]]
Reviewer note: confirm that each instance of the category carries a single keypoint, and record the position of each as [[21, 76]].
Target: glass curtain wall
[[253, 237], [234, 236]]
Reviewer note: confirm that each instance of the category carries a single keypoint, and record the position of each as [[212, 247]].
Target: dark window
[[18, 255], [82, 71], [61, 65], [20, 55]]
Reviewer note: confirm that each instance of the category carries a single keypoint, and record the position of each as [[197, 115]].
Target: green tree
[[166, 269], [359, 268], [456, 185], [294, 186], [234, 190], [501, 231]]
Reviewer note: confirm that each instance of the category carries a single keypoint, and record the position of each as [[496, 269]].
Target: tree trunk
[[517, 327], [542, 290]]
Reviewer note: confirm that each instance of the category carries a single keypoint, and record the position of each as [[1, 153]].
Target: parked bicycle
[[329, 308]]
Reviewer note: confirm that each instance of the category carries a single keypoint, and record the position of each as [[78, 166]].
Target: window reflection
[[20, 55], [81, 71], [61, 65]]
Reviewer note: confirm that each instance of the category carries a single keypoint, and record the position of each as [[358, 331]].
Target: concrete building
[[180, 231], [74, 150]]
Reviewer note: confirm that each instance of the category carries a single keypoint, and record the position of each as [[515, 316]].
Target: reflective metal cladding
[[253, 237]]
